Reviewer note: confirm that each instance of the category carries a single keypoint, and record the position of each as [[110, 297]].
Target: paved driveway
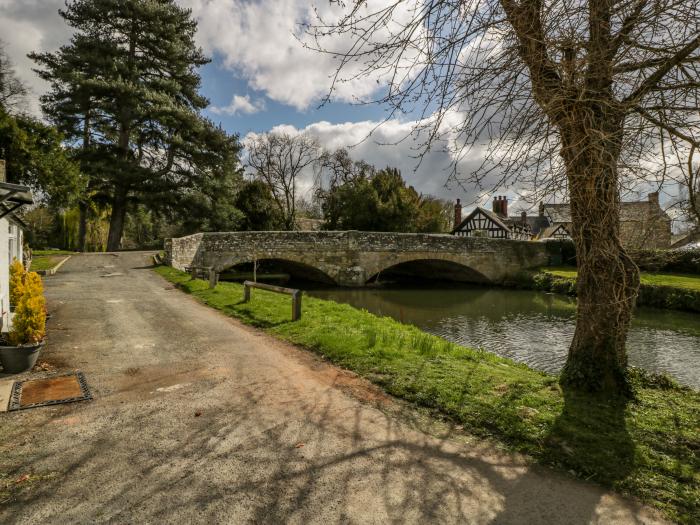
[[198, 419]]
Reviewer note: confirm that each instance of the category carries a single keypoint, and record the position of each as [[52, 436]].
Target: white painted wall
[[11, 244], [5, 273]]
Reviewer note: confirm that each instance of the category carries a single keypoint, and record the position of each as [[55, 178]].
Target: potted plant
[[20, 349]]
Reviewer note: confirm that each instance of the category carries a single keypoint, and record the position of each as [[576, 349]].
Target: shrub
[[17, 277], [29, 321], [679, 261]]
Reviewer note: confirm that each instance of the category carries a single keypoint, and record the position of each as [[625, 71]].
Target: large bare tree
[[12, 90], [279, 160], [573, 94]]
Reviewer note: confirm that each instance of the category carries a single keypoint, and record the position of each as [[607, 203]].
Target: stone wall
[[351, 258]]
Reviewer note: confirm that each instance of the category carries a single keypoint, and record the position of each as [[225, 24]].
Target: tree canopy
[[33, 152], [125, 90], [372, 200]]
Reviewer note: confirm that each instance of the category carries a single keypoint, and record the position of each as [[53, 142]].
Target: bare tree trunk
[[608, 280], [116, 221]]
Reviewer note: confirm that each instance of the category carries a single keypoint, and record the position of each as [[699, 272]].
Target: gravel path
[[198, 419]]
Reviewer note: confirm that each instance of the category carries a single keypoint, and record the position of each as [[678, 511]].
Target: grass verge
[[647, 449], [673, 280], [657, 290], [45, 262], [52, 252]]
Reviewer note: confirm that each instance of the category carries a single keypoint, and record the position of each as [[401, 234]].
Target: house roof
[[629, 211], [536, 222], [13, 197], [489, 214], [549, 231], [558, 212], [14, 193]]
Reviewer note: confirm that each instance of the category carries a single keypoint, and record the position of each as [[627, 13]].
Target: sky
[[261, 78]]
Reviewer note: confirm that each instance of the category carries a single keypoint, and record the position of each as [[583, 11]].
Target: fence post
[[296, 305], [213, 277], [246, 293]]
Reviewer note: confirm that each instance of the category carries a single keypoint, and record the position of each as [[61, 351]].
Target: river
[[531, 327]]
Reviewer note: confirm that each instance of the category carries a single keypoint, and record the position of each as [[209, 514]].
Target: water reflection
[[532, 327]]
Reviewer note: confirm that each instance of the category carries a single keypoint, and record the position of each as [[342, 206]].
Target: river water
[[531, 327]]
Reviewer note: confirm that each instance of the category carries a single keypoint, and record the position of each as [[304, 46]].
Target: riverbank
[[647, 449], [657, 290]]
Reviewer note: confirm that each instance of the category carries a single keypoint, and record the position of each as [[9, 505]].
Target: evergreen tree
[[126, 90], [380, 200], [259, 209]]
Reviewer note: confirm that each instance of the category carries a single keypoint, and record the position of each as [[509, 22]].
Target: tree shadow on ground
[[590, 440]]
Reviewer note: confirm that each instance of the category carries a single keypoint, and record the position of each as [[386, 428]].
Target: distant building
[[494, 224], [686, 241], [643, 224]]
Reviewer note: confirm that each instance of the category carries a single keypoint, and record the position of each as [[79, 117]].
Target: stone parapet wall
[[181, 252], [350, 258]]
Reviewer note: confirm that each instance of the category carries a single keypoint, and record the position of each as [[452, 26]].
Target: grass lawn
[[45, 262], [673, 280], [648, 449], [52, 252]]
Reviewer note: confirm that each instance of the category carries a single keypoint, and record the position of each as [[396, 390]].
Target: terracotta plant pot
[[16, 359]]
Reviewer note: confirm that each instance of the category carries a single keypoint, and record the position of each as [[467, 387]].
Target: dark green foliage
[[259, 211], [647, 448], [680, 261], [658, 296], [667, 297], [35, 157], [381, 201]]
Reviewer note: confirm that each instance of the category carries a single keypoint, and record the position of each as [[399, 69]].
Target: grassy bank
[[648, 449], [659, 290], [672, 280]]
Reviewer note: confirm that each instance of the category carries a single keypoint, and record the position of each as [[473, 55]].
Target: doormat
[[54, 390]]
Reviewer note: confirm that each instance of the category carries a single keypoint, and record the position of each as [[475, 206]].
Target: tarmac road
[[199, 419]]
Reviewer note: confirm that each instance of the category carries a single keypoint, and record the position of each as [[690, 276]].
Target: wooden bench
[[296, 295]]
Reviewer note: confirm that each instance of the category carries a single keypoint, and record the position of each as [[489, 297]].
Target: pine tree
[[126, 89]]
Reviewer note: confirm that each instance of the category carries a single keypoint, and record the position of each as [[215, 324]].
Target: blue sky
[[219, 84]]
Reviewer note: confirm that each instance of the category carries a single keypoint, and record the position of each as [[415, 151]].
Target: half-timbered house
[[495, 224]]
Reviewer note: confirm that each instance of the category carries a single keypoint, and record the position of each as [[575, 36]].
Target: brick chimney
[[523, 217], [541, 209], [500, 205], [458, 214], [654, 199], [3, 177]]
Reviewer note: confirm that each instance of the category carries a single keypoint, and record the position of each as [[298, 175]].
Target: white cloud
[[239, 105], [31, 25], [394, 143], [256, 40], [261, 42]]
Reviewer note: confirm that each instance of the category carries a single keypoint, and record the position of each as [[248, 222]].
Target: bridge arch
[[295, 266], [440, 267]]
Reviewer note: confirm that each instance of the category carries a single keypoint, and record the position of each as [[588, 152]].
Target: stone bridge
[[353, 258]]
